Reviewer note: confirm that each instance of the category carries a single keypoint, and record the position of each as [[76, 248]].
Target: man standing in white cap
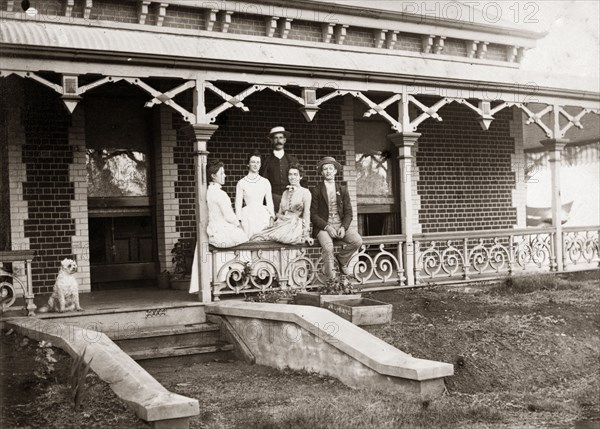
[[275, 166]]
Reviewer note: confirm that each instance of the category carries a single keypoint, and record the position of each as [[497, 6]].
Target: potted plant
[[183, 257]]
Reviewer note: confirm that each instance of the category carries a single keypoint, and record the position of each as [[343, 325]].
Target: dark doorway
[[119, 163]]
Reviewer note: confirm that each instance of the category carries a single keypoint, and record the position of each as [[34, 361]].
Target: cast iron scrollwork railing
[[9, 281], [379, 264], [580, 246], [485, 254], [256, 267]]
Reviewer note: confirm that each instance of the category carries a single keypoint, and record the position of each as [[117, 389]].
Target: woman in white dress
[[223, 225], [254, 190], [223, 228], [293, 218]]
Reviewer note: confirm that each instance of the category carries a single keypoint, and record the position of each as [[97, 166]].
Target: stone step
[[171, 352], [130, 319], [202, 334]]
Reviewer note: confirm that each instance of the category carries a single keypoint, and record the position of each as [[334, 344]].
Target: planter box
[[318, 300], [362, 311]]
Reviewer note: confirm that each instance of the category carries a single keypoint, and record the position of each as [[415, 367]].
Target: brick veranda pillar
[[555, 148], [201, 134], [405, 142]]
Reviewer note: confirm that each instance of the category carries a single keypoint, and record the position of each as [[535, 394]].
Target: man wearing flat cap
[[331, 215], [275, 166]]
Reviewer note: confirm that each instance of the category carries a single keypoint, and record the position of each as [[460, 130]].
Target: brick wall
[[306, 30], [496, 52], [114, 10], [466, 180], [240, 133], [79, 203], [455, 47], [4, 183], [358, 36], [166, 174], [185, 17], [47, 189], [12, 89], [519, 194]]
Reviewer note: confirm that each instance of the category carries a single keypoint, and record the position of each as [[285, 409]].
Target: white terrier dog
[[65, 296]]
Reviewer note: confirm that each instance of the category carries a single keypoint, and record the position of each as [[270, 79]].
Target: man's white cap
[[280, 129]]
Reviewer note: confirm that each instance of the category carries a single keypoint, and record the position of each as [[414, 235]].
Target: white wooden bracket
[[573, 120], [162, 12], [379, 109], [210, 17], [69, 8], [485, 111], [380, 38], [87, 9], [271, 26], [285, 25], [427, 43], [166, 98], [143, 11], [225, 20], [340, 33], [438, 44], [391, 39], [482, 50], [536, 117], [428, 112], [472, 48], [327, 32]]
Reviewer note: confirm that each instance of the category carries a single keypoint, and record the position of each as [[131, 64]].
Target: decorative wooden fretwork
[[379, 109], [427, 112], [486, 112], [573, 120], [536, 117]]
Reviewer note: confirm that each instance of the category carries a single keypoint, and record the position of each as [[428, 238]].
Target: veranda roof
[[196, 49]]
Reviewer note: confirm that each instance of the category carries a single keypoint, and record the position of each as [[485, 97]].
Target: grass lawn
[[526, 355]]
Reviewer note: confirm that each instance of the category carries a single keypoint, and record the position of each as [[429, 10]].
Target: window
[[116, 173], [376, 178]]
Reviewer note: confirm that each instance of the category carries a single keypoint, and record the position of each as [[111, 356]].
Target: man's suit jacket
[[270, 171], [319, 207]]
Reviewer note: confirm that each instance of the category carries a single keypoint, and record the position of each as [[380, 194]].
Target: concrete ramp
[[317, 340], [138, 389]]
